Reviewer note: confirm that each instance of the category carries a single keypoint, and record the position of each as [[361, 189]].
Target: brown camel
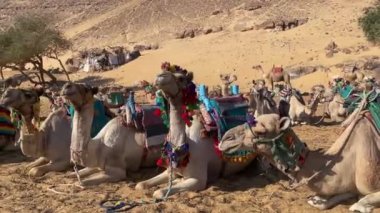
[[276, 74], [227, 80]]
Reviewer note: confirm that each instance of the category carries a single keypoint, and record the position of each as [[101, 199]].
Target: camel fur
[[227, 80], [49, 143]]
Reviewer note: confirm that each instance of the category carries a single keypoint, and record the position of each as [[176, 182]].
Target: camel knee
[[142, 186]]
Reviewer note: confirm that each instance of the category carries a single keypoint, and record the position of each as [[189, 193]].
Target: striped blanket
[[6, 125]]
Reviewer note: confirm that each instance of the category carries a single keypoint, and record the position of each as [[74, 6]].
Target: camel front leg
[[50, 167], [323, 204], [85, 172], [157, 180], [367, 203], [189, 184], [39, 162], [111, 174]]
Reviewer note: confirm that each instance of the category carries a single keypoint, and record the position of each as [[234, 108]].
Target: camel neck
[[81, 130], [177, 132]]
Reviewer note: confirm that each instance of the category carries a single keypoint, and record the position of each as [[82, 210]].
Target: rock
[[331, 46], [154, 46], [180, 35], [242, 27], [216, 12], [142, 47], [266, 25], [279, 25], [207, 31], [329, 54], [346, 51], [217, 29], [302, 21], [189, 33], [252, 6]]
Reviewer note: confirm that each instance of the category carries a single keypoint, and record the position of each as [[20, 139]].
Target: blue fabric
[[100, 118], [235, 89]]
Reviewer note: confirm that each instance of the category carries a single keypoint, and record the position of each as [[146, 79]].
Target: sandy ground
[[244, 192]]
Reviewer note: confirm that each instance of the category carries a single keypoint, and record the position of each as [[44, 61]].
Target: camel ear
[[39, 91], [284, 123], [190, 76], [94, 90]]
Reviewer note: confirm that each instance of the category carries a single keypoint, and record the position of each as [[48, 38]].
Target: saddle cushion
[[151, 124], [225, 113], [6, 125]]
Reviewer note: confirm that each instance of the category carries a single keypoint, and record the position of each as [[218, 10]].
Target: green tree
[[370, 23], [31, 38]]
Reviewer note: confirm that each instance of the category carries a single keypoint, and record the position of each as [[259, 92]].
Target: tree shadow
[[14, 156]]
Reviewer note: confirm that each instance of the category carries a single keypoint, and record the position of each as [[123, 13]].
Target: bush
[[370, 23]]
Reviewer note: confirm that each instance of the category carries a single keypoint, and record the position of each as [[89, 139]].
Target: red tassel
[[157, 112], [159, 162]]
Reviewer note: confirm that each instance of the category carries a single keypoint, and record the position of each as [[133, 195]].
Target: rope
[[123, 206]]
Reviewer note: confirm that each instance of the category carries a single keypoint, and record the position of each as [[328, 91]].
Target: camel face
[[172, 83], [16, 98], [248, 138], [78, 94]]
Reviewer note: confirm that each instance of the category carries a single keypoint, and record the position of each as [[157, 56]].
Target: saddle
[[144, 120], [222, 114]]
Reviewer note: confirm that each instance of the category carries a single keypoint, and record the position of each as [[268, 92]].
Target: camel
[[349, 168], [194, 157], [227, 80], [353, 74], [276, 74], [49, 143], [293, 105], [260, 101], [333, 106], [117, 148]]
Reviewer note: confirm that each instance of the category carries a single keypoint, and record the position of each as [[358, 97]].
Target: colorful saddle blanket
[[6, 125], [100, 118], [222, 114], [147, 121]]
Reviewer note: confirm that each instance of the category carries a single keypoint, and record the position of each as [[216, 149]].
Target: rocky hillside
[[110, 22]]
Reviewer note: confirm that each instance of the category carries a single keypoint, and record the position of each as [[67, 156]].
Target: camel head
[[172, 83], [21, 100], [227, 79], [265, 137], [78, 94], [317, 91]]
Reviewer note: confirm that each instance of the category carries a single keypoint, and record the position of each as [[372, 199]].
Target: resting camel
[[349, 168], [227, 80], [49, 143], [117, 148], [261, 102], [276, 74], [333, 106], [293, 105], [196, 160]]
